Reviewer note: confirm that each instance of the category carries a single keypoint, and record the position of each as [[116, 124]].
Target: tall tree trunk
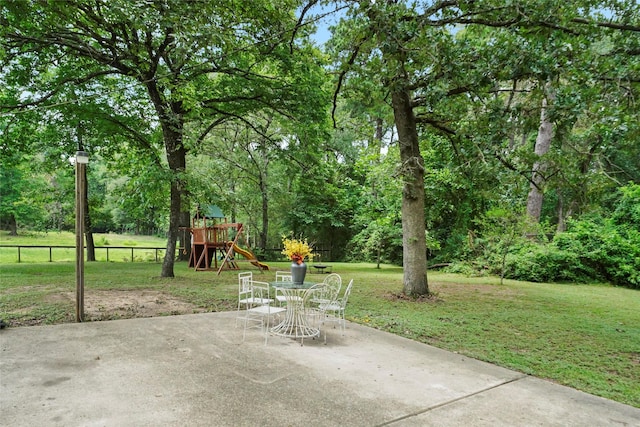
[[265, 213], [414, 248], [374, 190], [177, 164], [88, 229], [378, 136], [13, 225], [172, 128], [184, 238], [170, 115], [562, 225], [172, 234], [543, 143]]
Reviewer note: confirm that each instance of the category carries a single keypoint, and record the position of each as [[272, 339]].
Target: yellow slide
[[250, 256]]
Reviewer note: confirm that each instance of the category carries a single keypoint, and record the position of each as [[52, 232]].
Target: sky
[[323, 34]]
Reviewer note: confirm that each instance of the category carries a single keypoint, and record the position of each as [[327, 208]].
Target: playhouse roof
[[210, 211]]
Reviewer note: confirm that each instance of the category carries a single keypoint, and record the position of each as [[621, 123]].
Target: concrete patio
[[195, 370]]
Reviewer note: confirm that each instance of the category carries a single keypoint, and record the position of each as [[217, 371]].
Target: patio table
[[295, 323], [322, 268]]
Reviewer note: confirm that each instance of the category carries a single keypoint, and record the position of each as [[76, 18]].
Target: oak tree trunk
[[183, 236], [414, 248], [543, 143], [172, 122], [13, 225], [177, 164]]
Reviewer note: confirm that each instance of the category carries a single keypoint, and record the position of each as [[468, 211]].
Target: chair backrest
[[260, 292], [334, 281], [315, 292], [284, 276], [345, 297], [244, 282]]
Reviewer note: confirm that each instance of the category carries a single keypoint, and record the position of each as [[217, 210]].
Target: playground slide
[[249, 255]]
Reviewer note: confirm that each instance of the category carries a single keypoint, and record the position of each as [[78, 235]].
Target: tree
[[443, 65], [21, 194], [196, 62], [246, 153]]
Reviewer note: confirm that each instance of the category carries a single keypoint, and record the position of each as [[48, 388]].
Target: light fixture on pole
[[82, 158]]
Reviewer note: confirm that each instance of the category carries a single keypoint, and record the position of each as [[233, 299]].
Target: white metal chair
[[259, 315], [329, 293], [282, 276], [333, 279], [334, 311], [317, 297], [246, 297]]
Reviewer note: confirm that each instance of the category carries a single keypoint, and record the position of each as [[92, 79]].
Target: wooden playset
[[214, 239]]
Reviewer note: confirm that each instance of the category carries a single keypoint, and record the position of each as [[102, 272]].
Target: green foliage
[[100, 240], [23, 194], [328, 196], [591, 249], [503, 230], [594, 247], [627, 209], [379, 241], [247, 103], [547, 263], [377, 224], [611, 250]]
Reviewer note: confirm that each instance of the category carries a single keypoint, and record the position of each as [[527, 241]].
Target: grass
[[10, 255], [583, 336]]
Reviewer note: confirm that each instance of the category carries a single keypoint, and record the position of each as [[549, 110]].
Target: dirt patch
[[466, 288], [108, 305], [439, 291], [399, 296]]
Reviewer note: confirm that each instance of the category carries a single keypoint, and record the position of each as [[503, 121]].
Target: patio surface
[[195, 370]]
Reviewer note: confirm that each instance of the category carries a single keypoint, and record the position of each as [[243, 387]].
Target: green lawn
[[10, 254], [583, 336]]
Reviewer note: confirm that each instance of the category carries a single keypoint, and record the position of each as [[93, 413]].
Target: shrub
[[462, 268], [628, 207], [101, 241], [593, 248], [610, 250], [546, 263]]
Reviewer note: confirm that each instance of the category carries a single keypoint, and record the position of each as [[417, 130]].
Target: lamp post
[[82, 158]]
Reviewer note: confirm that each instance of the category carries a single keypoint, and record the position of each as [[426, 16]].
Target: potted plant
[[297, 250]]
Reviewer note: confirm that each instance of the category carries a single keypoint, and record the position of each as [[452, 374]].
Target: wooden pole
[[81, 160]]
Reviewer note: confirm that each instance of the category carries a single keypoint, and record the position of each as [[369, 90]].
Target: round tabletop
[[292, 285]]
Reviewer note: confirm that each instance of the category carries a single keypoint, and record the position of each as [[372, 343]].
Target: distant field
[[10, 255]]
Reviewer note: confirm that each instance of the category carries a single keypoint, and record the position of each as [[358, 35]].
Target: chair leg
[[266, 329], [325, 337], [238, 315], [244, 332]]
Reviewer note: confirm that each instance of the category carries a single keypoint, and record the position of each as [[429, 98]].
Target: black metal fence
[[158, 253]]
